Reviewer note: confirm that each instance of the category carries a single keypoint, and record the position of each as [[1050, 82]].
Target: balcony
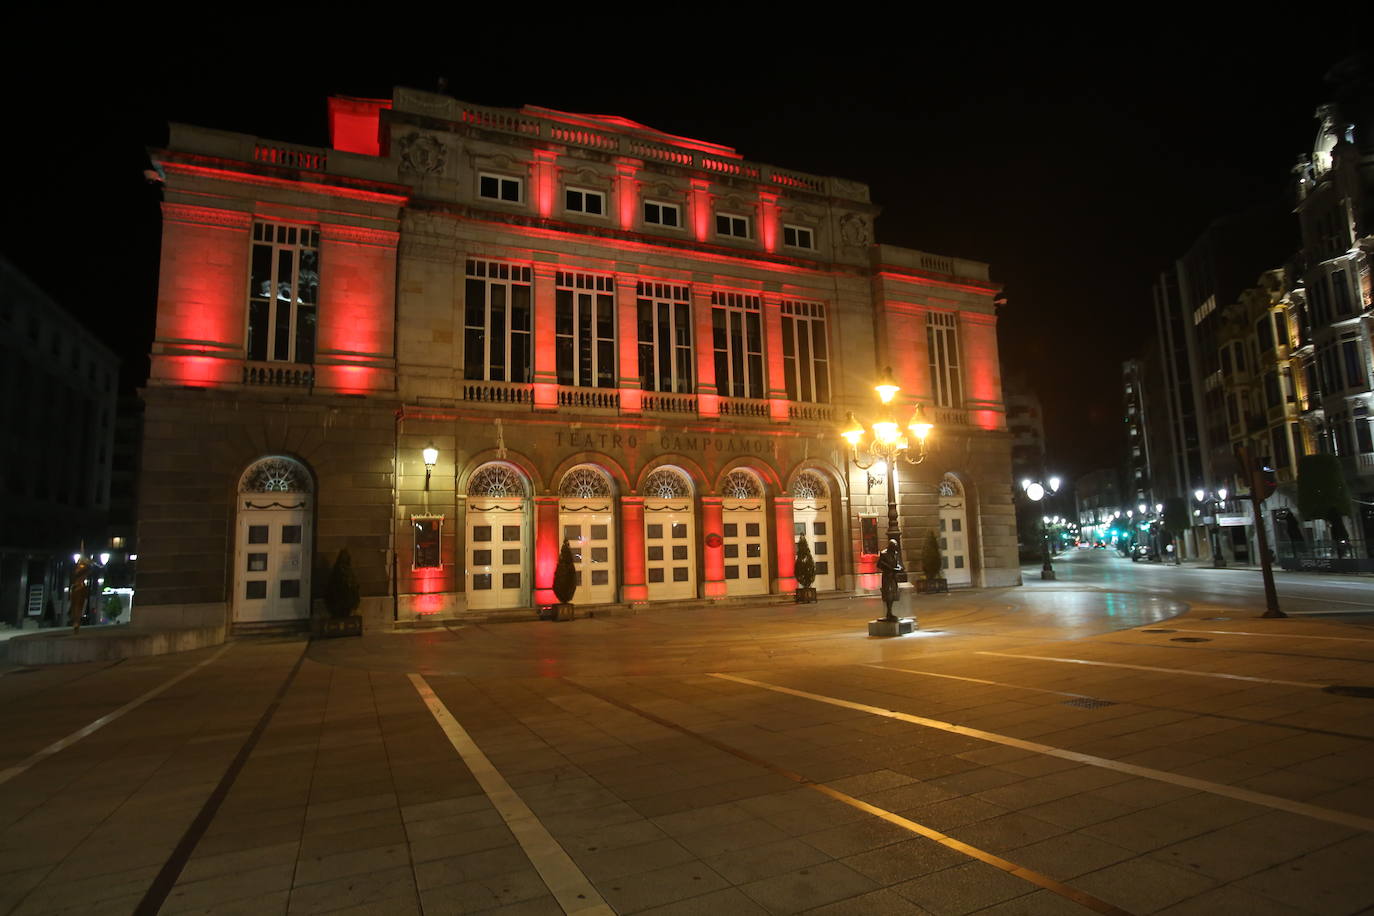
[[668, 402], [816, 413], [744, 407], [589, 398], [499, 392], [279, 375]]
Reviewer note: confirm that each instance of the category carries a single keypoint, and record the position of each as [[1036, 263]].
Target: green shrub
[[805, 570], [565, 575], [930, 557], [341, 595]]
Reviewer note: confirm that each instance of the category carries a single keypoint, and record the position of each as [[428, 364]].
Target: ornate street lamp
[[1036, 491], [884, 440], [1211, 502]]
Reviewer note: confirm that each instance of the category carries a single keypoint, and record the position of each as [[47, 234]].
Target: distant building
[[1098, 504], [1335, 191], [57, 407]]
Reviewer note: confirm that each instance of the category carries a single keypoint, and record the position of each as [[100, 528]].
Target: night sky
[[1077, 167]]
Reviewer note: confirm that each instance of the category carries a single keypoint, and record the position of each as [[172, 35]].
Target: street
[[1130, 738]]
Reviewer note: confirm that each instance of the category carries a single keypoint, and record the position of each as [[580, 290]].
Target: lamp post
[[1211, 502], [1036, 491], [883, 441]]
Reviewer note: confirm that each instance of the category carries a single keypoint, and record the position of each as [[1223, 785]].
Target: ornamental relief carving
[[855, 232], [358, 235], [206, 216], [423, 154], [853, 190]]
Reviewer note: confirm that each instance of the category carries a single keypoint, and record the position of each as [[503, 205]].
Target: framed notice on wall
[[868, 534], [427, 529]]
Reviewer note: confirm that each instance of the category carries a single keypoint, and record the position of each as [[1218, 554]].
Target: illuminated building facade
[[639, 343]]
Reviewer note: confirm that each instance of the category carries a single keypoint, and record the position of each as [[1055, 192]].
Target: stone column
[[787, 556], [545, 337], [627, 330], [713, 558], [546, 547], [708, 400], [632, 554]]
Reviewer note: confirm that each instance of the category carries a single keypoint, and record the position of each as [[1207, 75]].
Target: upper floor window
[[496, 322], [942, 344], [585, 326], [665, 337], [658, 213], [1264, 333], [737, 332], [1341, 302], [580, 200], [798, 237], [283, 292], [805, 351], [732, 225], [500, 187]]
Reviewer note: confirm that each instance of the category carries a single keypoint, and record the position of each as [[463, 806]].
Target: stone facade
[[639, 343]]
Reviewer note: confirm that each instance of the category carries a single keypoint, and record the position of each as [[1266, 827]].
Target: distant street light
[[1211, 505]]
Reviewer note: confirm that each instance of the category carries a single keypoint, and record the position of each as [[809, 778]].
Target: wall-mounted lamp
[[431, 456]]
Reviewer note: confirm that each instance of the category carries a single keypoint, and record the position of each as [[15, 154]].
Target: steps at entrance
[[271, 628]]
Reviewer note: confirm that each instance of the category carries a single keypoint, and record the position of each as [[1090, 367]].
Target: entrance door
[[669, 535], [497, 553], [745, 534], [811, 517], [668, 555], [273, 543], [954, 548], [586, 519]]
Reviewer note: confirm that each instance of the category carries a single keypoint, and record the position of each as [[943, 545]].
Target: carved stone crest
[[422, 154], [855, 232]]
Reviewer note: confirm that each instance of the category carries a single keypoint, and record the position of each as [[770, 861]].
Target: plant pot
[[562, 612], [332, 627], [932, 586], [805, 595]]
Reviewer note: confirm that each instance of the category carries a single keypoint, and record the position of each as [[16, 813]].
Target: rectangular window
[[283, 292], [658, 213], [798, 237], [1264, 334], [427, 543], [805, 351], [732, 225], [1364, 434], [1355, 376], [500, 187], [942, 342], [665, 337], [1340, 293], [1279, 453], [580, 200], [585, 330], [496, 322], [737, 332]]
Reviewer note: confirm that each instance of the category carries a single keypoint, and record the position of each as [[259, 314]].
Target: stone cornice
[[207, 216]]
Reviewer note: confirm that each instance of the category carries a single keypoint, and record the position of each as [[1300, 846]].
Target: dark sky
[[1076, 166]]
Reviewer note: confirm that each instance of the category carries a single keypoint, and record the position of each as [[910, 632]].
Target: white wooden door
[[669, 557], [954, 546], [272, 562], [497, 566], [812, 518], [746, 547], [591, 534]]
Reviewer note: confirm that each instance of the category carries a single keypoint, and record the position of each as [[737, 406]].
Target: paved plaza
[[1066, 747]]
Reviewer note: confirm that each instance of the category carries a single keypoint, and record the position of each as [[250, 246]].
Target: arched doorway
[[745, 532], [669, 535], [497, 561], [954, 544], [272, 558], [811, 517], [587, 521]]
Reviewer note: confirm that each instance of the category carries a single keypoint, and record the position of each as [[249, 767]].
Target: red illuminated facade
[[639, 343]]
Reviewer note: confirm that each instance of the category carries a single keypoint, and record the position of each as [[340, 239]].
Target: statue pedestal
[[899, 627]]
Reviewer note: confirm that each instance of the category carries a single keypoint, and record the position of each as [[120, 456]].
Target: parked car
[[1143, 551]]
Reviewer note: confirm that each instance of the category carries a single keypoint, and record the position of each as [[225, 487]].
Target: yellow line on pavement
[[1068, 892], [1183, 671], [10, 772], [1202, 785], [560, 873]]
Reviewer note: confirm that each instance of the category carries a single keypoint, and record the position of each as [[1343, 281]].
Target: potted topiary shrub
[[341, 599], [805, 571], [933, 579], [564, 583]]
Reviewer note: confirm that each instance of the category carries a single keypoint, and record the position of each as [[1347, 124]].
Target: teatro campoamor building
[[461, 336]]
